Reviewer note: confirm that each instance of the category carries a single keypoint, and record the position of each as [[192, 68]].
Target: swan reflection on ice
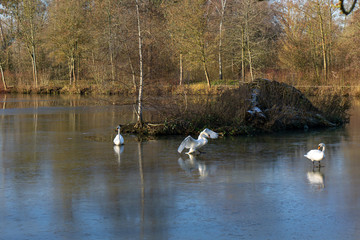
[[316, 179], [192, 164], [118, 150]]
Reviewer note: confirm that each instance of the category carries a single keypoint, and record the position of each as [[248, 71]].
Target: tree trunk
[[206, 74], [205, 67], [314, 51], [4, 46], [3, 77], [34, 68], [33, 54], [133, 74], [76, 56], [223, 4], [139, 111], [329, 59], [181, 69], [78, 66], [250, 63], [148, 27], [111, 53], [112, 66], [131, 67], [94, 68], [248, 46], [220, 60], [73, 70], [242, 56], [323, 46], [323, 42], [3, 35], [70, 73]]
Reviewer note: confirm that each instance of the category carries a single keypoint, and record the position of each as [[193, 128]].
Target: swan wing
[[314, 155], [211, 133], [188, 142]]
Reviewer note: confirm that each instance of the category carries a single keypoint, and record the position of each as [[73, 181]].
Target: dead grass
[[334, 105]]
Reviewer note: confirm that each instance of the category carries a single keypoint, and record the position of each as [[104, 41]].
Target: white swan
[[316, 154], [195, 144], [118, 140]]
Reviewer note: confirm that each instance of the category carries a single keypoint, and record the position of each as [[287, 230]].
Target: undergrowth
[[190, 114], [283, 106]]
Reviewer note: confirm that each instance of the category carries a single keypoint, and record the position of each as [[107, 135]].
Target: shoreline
[[163, 89]]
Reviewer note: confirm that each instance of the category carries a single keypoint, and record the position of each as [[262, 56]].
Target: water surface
[[62, 178]]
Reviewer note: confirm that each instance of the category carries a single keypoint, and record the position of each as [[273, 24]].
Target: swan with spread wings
[[194, 144]]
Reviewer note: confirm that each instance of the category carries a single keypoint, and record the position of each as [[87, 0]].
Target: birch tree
[[141, 79], [3, 47]]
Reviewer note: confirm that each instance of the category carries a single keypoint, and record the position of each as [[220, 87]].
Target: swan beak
[[319, 147]]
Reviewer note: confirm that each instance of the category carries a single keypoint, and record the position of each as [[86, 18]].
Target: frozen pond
[[62, 178]]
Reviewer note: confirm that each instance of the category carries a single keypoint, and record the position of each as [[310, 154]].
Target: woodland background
[[44, 42]]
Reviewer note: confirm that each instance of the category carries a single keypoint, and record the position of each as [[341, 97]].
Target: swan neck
[[202, 136]]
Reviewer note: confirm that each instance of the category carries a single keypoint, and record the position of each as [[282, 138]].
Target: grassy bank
[[159, 88]]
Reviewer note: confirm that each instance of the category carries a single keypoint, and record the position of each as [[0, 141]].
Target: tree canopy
[[210, 41]]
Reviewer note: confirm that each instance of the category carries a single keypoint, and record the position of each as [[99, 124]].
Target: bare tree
[[3, 77], [141, 80], [110, 38], [29, 15], [247, 36], [323, 38], [3, 47], [188, 26], [221, 11], [67, 33]]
